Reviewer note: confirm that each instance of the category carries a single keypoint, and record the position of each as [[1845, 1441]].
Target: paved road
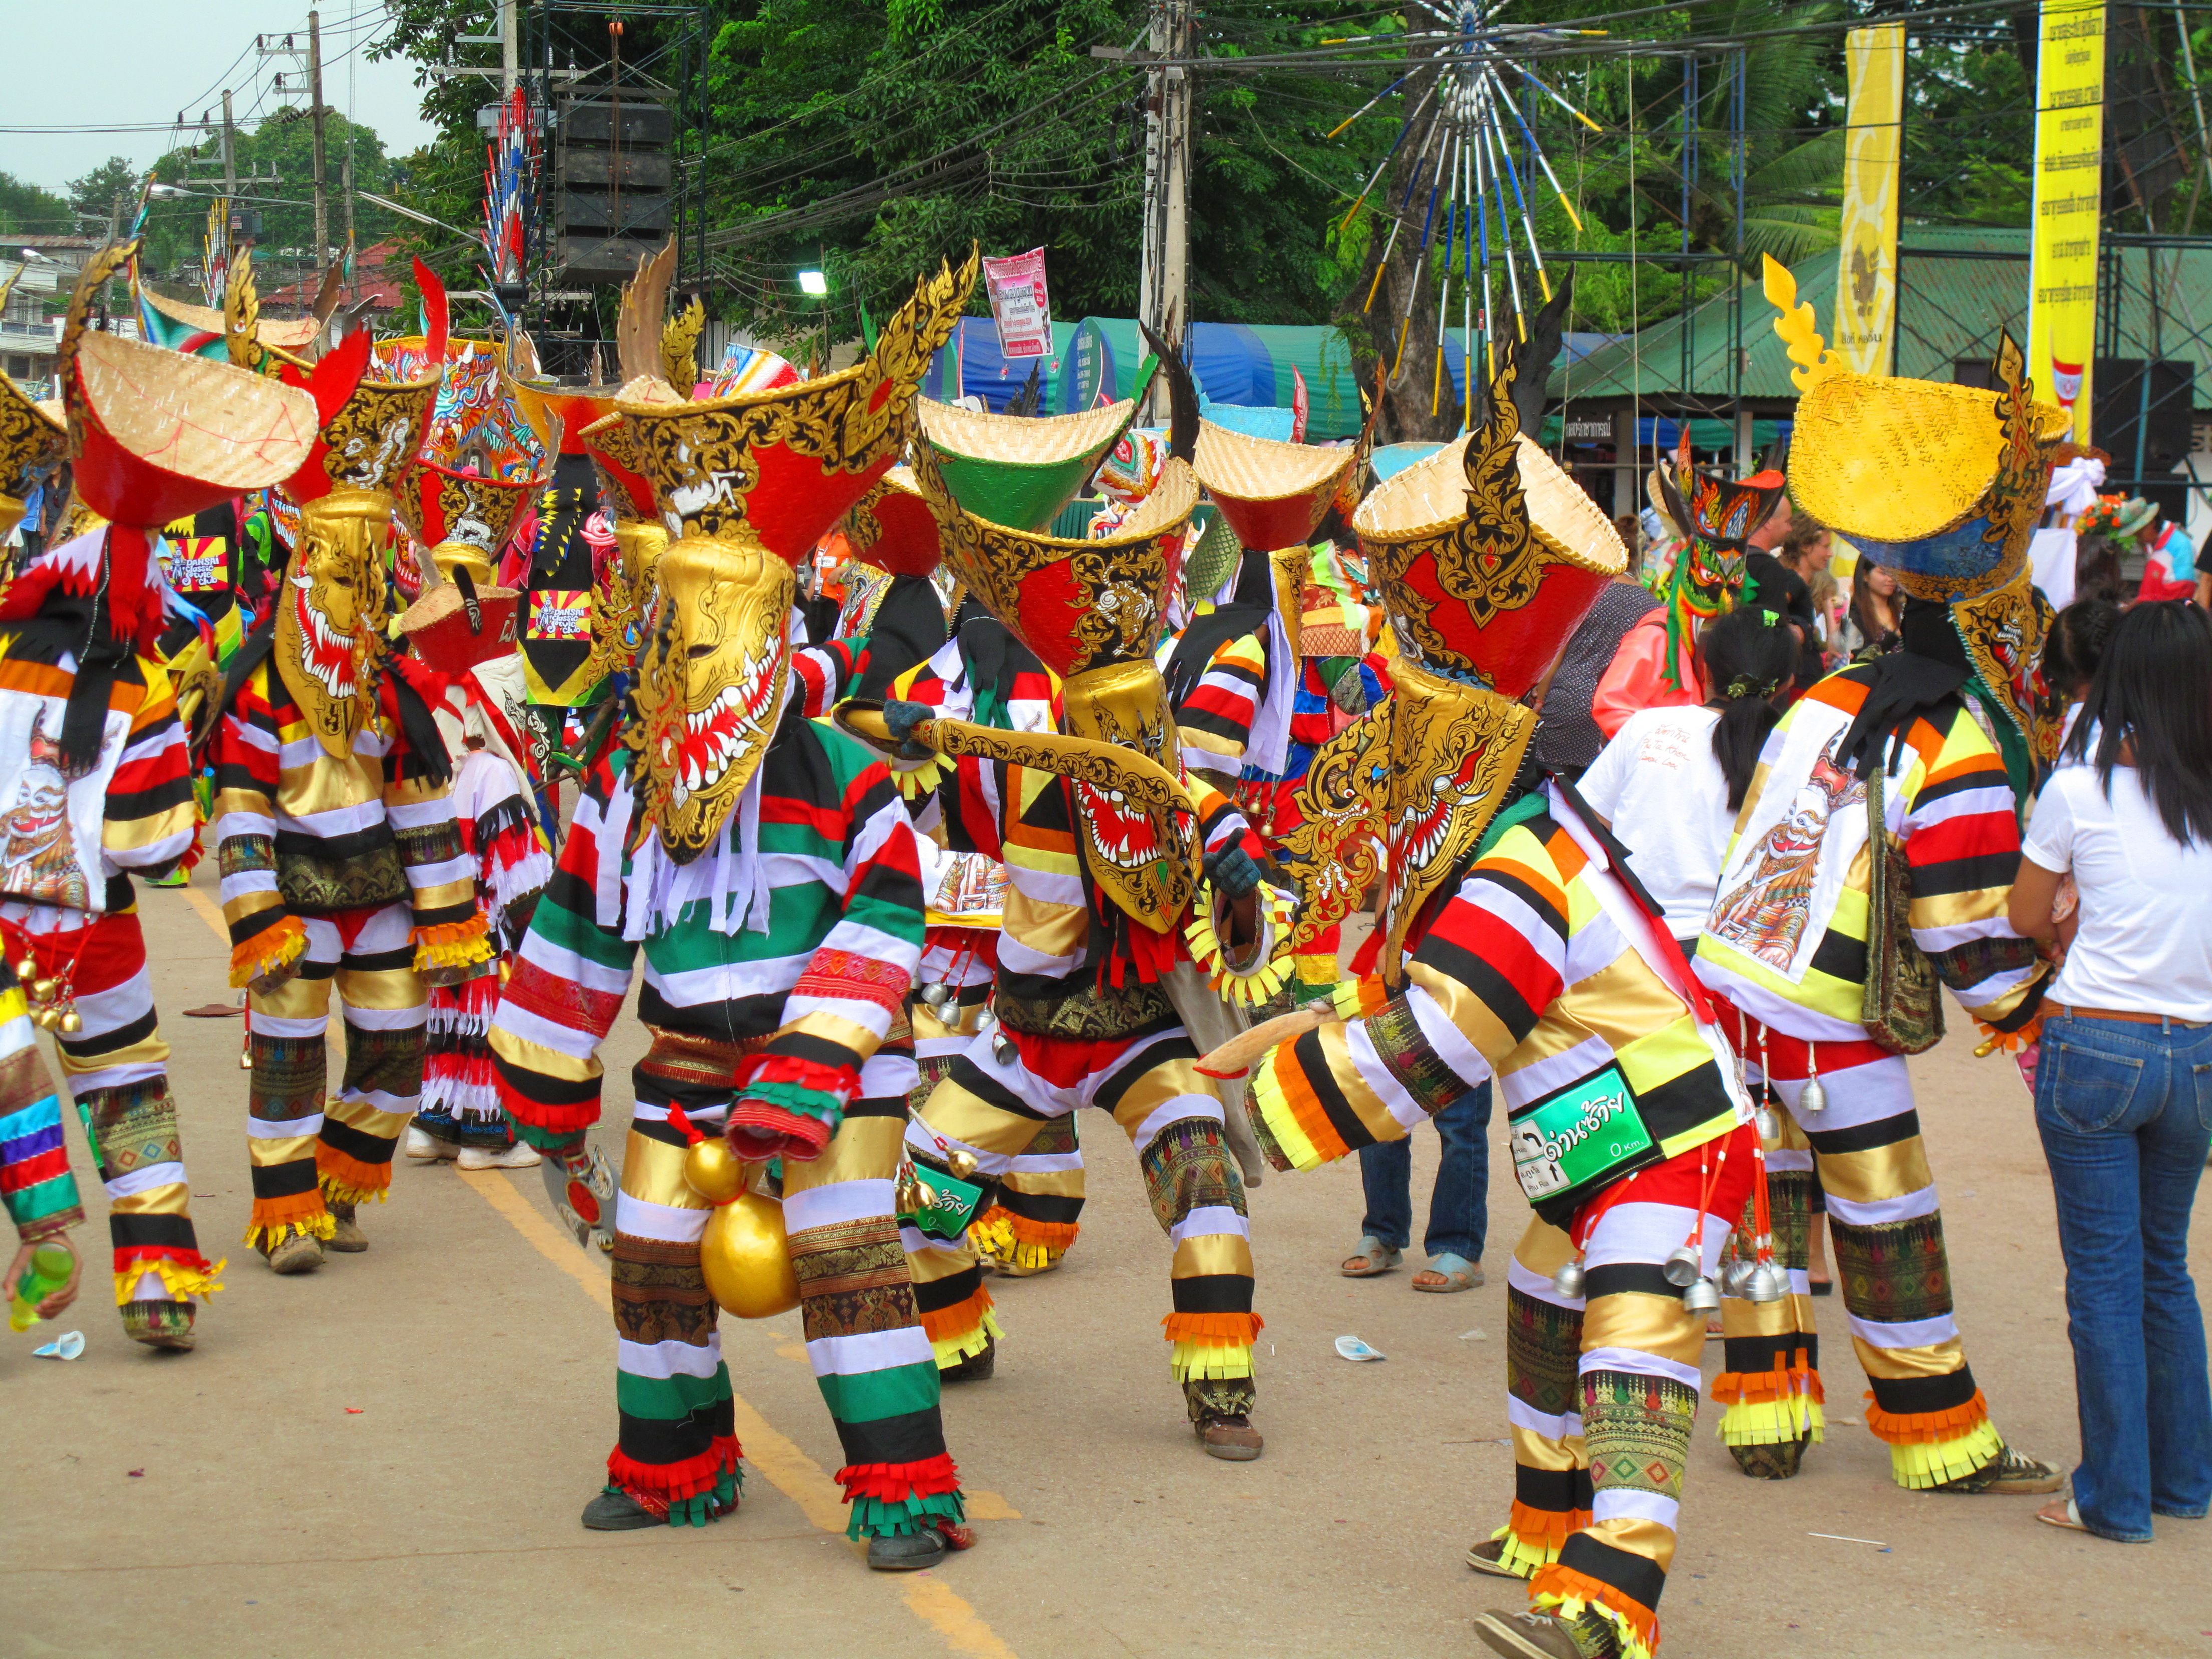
[[388, 1458]]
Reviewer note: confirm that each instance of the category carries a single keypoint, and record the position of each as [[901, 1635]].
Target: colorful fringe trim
[[1925, 1428], [1248, 987], [452, 943], [891, 1499], [1772, 1409], [275, 1220], [345, 1179], [1917, 1465], [1298, 1135], [1241, 1329], [667, 1483], [1569, 1593], [1541, 1534], [183, 1277], [1019, 1241], [279, 945], [1210, 1362], [963, 1330], [787, 1106]]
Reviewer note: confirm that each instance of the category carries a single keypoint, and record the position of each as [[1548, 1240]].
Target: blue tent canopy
[[987, 373], [1234, 363]]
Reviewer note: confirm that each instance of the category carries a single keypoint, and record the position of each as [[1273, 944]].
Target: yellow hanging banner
[[1866, 274], [2070, 153]]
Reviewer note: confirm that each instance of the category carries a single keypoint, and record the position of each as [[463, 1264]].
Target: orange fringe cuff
[[1546, 1530], [1562, 1590], [1926, 1428], [281, 944], [1055, 1236], [673, 1482], [345, 1179], [1745, 1388], [452, 943], [951, 1324], [1216, 1329]]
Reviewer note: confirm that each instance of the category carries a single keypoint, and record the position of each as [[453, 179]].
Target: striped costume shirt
[[1786, 940], [820, 981], [1540, 971], [298, 832]]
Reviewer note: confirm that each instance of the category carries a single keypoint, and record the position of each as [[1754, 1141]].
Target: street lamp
[[813, 282]]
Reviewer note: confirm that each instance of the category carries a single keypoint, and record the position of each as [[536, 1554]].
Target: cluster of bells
[[1756, 1279], [911, 1195], [53, 1006]]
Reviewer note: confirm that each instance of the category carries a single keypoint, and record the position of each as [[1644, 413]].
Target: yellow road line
[[788, 1468]]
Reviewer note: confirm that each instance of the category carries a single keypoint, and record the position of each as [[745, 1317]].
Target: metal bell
[[43, 989], [246, 1063], [1002, 1048], [1812, 1097], [1701, 1297], [1765, 1124], [71, 1023], [1734, 1273], [1766, 1283], [1684, 1268], [26, 968], [937, 996], [46, 1018], [1569, 1281], [961, 1163]]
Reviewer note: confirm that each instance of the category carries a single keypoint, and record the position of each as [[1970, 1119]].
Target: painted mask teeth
[[714, 736], [327, 654]]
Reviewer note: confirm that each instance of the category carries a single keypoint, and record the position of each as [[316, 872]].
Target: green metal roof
[[1949, 310]]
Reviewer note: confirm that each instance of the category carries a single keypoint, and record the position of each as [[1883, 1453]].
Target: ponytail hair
[[1748, 655], [2076, 645]]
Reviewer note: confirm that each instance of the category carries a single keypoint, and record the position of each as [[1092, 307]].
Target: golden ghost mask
[[713, 678], [330, 610]]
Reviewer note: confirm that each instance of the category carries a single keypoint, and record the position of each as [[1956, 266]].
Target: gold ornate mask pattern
[[714, 679], [329, 612], [1141, 863]]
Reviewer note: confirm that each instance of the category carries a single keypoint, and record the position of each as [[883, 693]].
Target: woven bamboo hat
[[1019, 470], [1273, 493]]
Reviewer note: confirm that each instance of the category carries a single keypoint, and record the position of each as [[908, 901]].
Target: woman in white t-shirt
[[1672, 780], [2124, 1091]]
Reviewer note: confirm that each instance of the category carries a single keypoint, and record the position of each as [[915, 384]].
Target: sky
[[78, 64]]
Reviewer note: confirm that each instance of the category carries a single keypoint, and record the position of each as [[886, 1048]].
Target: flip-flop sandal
[[1379, 1257], [2070, 1520], [1456, 1271]]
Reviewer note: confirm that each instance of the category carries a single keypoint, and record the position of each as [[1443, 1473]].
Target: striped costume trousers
[[676, 1451], [1890, 1266], [115, 1068], [1006, 1093], [1602, 1393], [310, 1149]]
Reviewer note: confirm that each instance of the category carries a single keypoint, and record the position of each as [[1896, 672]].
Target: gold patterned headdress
[[1488, 556], [1941, 485], [747, 486]]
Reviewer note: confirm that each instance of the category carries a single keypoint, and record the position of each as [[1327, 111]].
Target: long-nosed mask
[[712, 683], [327, 614]]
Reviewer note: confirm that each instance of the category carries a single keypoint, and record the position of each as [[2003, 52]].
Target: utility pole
[[510, 51], [315, 114], [229, 149], [1162, 279]]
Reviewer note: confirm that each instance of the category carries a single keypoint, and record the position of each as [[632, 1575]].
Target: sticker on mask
[[561, 614]]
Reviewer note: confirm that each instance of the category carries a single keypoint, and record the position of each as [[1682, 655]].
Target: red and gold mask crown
[[747, 486]]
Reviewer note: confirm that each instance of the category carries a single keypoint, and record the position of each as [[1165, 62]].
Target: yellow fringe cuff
[[339, 1189], [1520, 1557], [1571, 1607], [1271, 1106], [1210, 1361], [1357, 998], [281, 944], [952, 1350], [1920, 1464], [452, 943], [183, 1283], [1774, 1422], [994, 1235], [267, 1235], [1251, 986]]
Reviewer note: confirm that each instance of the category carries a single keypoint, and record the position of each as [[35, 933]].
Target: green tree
[[28, 210], [110, 188]]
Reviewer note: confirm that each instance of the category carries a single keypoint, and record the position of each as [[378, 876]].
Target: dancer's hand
[[56, 1300]]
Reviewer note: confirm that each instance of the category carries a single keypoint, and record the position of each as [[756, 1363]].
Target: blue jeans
[[2126, 1113], [1459, 1208]]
